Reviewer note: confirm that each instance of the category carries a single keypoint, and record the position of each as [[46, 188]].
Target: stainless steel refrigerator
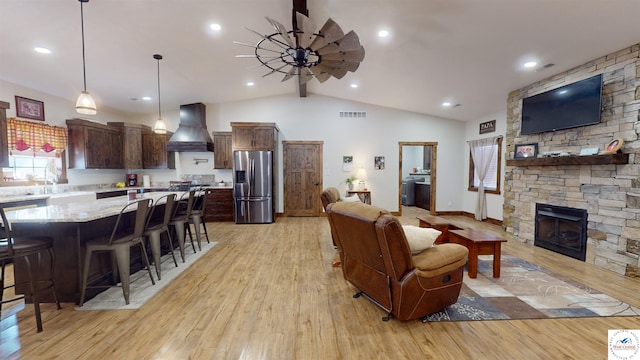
[[253, 186]]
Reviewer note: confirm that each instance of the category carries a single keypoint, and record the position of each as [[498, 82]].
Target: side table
[[364, 195]]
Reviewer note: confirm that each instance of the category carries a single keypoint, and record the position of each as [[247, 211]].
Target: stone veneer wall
[[610, 193]]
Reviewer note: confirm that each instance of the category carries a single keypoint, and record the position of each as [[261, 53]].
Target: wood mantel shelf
[[604, 159]]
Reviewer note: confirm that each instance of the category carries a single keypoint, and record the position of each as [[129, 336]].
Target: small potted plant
[[350, 180]]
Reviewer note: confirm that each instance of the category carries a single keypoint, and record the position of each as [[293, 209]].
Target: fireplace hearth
[[562, 230]]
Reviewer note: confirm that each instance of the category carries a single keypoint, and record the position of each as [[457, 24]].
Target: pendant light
[[85, 104], [160, 127]]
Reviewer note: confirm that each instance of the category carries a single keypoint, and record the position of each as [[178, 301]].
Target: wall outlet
[[449, 204]]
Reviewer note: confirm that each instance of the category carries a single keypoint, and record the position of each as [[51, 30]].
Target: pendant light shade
[[85, 104], [160, 127]]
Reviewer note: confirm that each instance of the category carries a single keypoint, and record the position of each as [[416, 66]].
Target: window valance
[[23, 135]]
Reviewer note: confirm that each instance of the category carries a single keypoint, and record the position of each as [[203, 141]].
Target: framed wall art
[[347, 163], [614, 146], [378, 162], [29, 108], [524, 151]]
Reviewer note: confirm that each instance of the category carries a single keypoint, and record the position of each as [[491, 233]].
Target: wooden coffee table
[[438, 223], [478, 243]]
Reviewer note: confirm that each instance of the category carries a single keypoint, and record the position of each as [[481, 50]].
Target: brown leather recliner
[[377, 260], [329, 195]]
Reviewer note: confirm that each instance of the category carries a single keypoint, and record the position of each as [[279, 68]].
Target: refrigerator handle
[[252, 174]]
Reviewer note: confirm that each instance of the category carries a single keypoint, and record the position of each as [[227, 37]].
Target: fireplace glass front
[[562, 229]]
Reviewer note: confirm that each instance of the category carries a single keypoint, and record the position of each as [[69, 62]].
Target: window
[[492, 180], [29, 166]]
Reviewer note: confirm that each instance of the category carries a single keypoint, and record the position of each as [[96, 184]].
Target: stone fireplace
[[606, 187], [561, 229]]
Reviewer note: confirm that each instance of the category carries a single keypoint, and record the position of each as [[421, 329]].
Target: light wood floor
[[270, 292]]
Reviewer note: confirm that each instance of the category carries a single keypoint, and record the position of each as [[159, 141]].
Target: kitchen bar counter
[[71, 226]]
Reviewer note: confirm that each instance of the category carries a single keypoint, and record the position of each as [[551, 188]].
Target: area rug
[[141, 288], [527, 291]]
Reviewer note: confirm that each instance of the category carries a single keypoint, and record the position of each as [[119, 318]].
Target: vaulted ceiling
[[466, 52]]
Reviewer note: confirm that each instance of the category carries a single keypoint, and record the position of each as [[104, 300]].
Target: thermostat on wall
[[589, 151]]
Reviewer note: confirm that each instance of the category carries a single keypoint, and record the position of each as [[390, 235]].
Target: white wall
[[472, 132], [317, 118], [312, 118]]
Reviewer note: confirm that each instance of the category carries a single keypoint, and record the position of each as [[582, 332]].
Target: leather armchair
[[377, 260], [329, 195]]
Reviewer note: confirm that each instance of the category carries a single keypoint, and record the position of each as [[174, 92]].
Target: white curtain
[[482, 151]]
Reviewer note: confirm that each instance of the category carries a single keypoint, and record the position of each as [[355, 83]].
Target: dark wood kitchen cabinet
[[154, 151], [131, 144], [423, 195], [94, 146], [4, 142], [222, 150], [254, 136], [219, 205]]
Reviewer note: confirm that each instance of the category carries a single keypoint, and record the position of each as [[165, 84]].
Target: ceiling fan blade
[[320, 74], [336, 64], [282, 31], [306, 28], [289, 74], [305, 75], [349, 42], [354, 56], [335, 72], [330, 32]]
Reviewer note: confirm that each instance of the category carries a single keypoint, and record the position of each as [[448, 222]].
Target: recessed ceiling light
[[446, 104], [146, 98], [355, 86], [42, 50], [215, 27], [530, 64], [383, 33], [250, 83]]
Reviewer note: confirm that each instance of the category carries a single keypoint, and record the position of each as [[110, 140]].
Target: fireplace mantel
[[604, 159]]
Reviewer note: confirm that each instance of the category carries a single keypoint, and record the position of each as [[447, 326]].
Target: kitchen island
[[71, 226]]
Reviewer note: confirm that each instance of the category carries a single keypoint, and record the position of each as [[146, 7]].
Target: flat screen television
[[569, 106]]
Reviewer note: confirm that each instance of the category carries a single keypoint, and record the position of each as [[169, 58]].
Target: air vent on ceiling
[[353, 114], [544, 67]]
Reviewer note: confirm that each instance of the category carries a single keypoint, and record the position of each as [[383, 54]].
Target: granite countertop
[[78, 212], [24, 197]]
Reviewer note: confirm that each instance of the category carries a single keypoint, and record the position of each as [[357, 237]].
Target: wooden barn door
[[302, 172]]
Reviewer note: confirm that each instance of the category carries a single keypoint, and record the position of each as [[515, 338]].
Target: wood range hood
[[192, 134]]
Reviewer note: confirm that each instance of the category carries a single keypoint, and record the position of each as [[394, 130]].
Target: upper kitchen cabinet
[[4, 142], [154, 151], [132, 143], [254, 136], [222, 150], [94, 146]]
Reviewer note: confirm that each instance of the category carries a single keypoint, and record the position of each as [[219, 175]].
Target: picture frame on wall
[[524, 151], [378, 162], [347, 163], [29, 108]]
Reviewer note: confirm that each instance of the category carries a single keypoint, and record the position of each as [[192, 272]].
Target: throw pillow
[[419, 238], [353, 198]]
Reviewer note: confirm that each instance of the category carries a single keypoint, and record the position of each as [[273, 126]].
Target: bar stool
[[154, 231], [198, 213], [120, 243], [23, 247], [180, 219]]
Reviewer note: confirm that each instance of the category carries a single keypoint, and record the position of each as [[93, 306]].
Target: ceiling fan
[[304, 53]]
